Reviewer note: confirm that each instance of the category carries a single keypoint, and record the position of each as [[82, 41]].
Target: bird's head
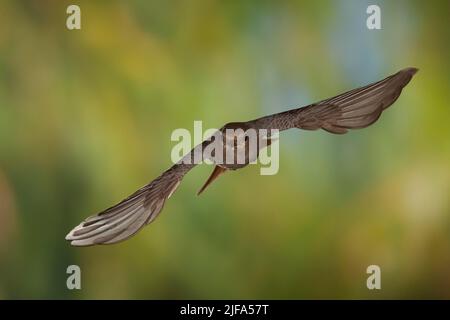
[[234, 134]]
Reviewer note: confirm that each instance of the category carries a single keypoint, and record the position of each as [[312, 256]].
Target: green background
[[86, 118]]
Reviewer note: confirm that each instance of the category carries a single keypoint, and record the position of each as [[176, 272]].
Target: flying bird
[[353, 109]]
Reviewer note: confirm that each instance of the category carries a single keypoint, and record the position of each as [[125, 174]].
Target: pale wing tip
[[75, 236], [71, 237], [82, 243]]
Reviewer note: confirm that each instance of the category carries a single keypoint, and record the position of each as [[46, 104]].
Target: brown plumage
[[354, 109]]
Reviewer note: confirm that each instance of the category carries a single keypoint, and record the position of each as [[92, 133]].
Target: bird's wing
[[354, 109], [123, 220]]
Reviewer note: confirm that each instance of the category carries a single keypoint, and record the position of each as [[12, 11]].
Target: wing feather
[[354, 109], [124, 219]]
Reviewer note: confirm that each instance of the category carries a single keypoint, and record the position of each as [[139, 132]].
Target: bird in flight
[[354, 109]]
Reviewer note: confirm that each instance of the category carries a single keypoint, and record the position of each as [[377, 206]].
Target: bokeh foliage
[[86, 118]]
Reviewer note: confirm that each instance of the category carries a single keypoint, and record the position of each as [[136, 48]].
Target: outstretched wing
[[354, 109], [123, 220]]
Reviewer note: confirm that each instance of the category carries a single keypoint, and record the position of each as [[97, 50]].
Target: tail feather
[[216, 173]]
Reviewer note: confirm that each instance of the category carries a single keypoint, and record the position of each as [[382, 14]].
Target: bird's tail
[[214, 175]]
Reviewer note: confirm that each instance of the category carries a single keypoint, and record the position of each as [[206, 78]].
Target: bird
[[354, 109]]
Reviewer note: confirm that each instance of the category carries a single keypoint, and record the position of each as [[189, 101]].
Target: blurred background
[[86, 117]]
